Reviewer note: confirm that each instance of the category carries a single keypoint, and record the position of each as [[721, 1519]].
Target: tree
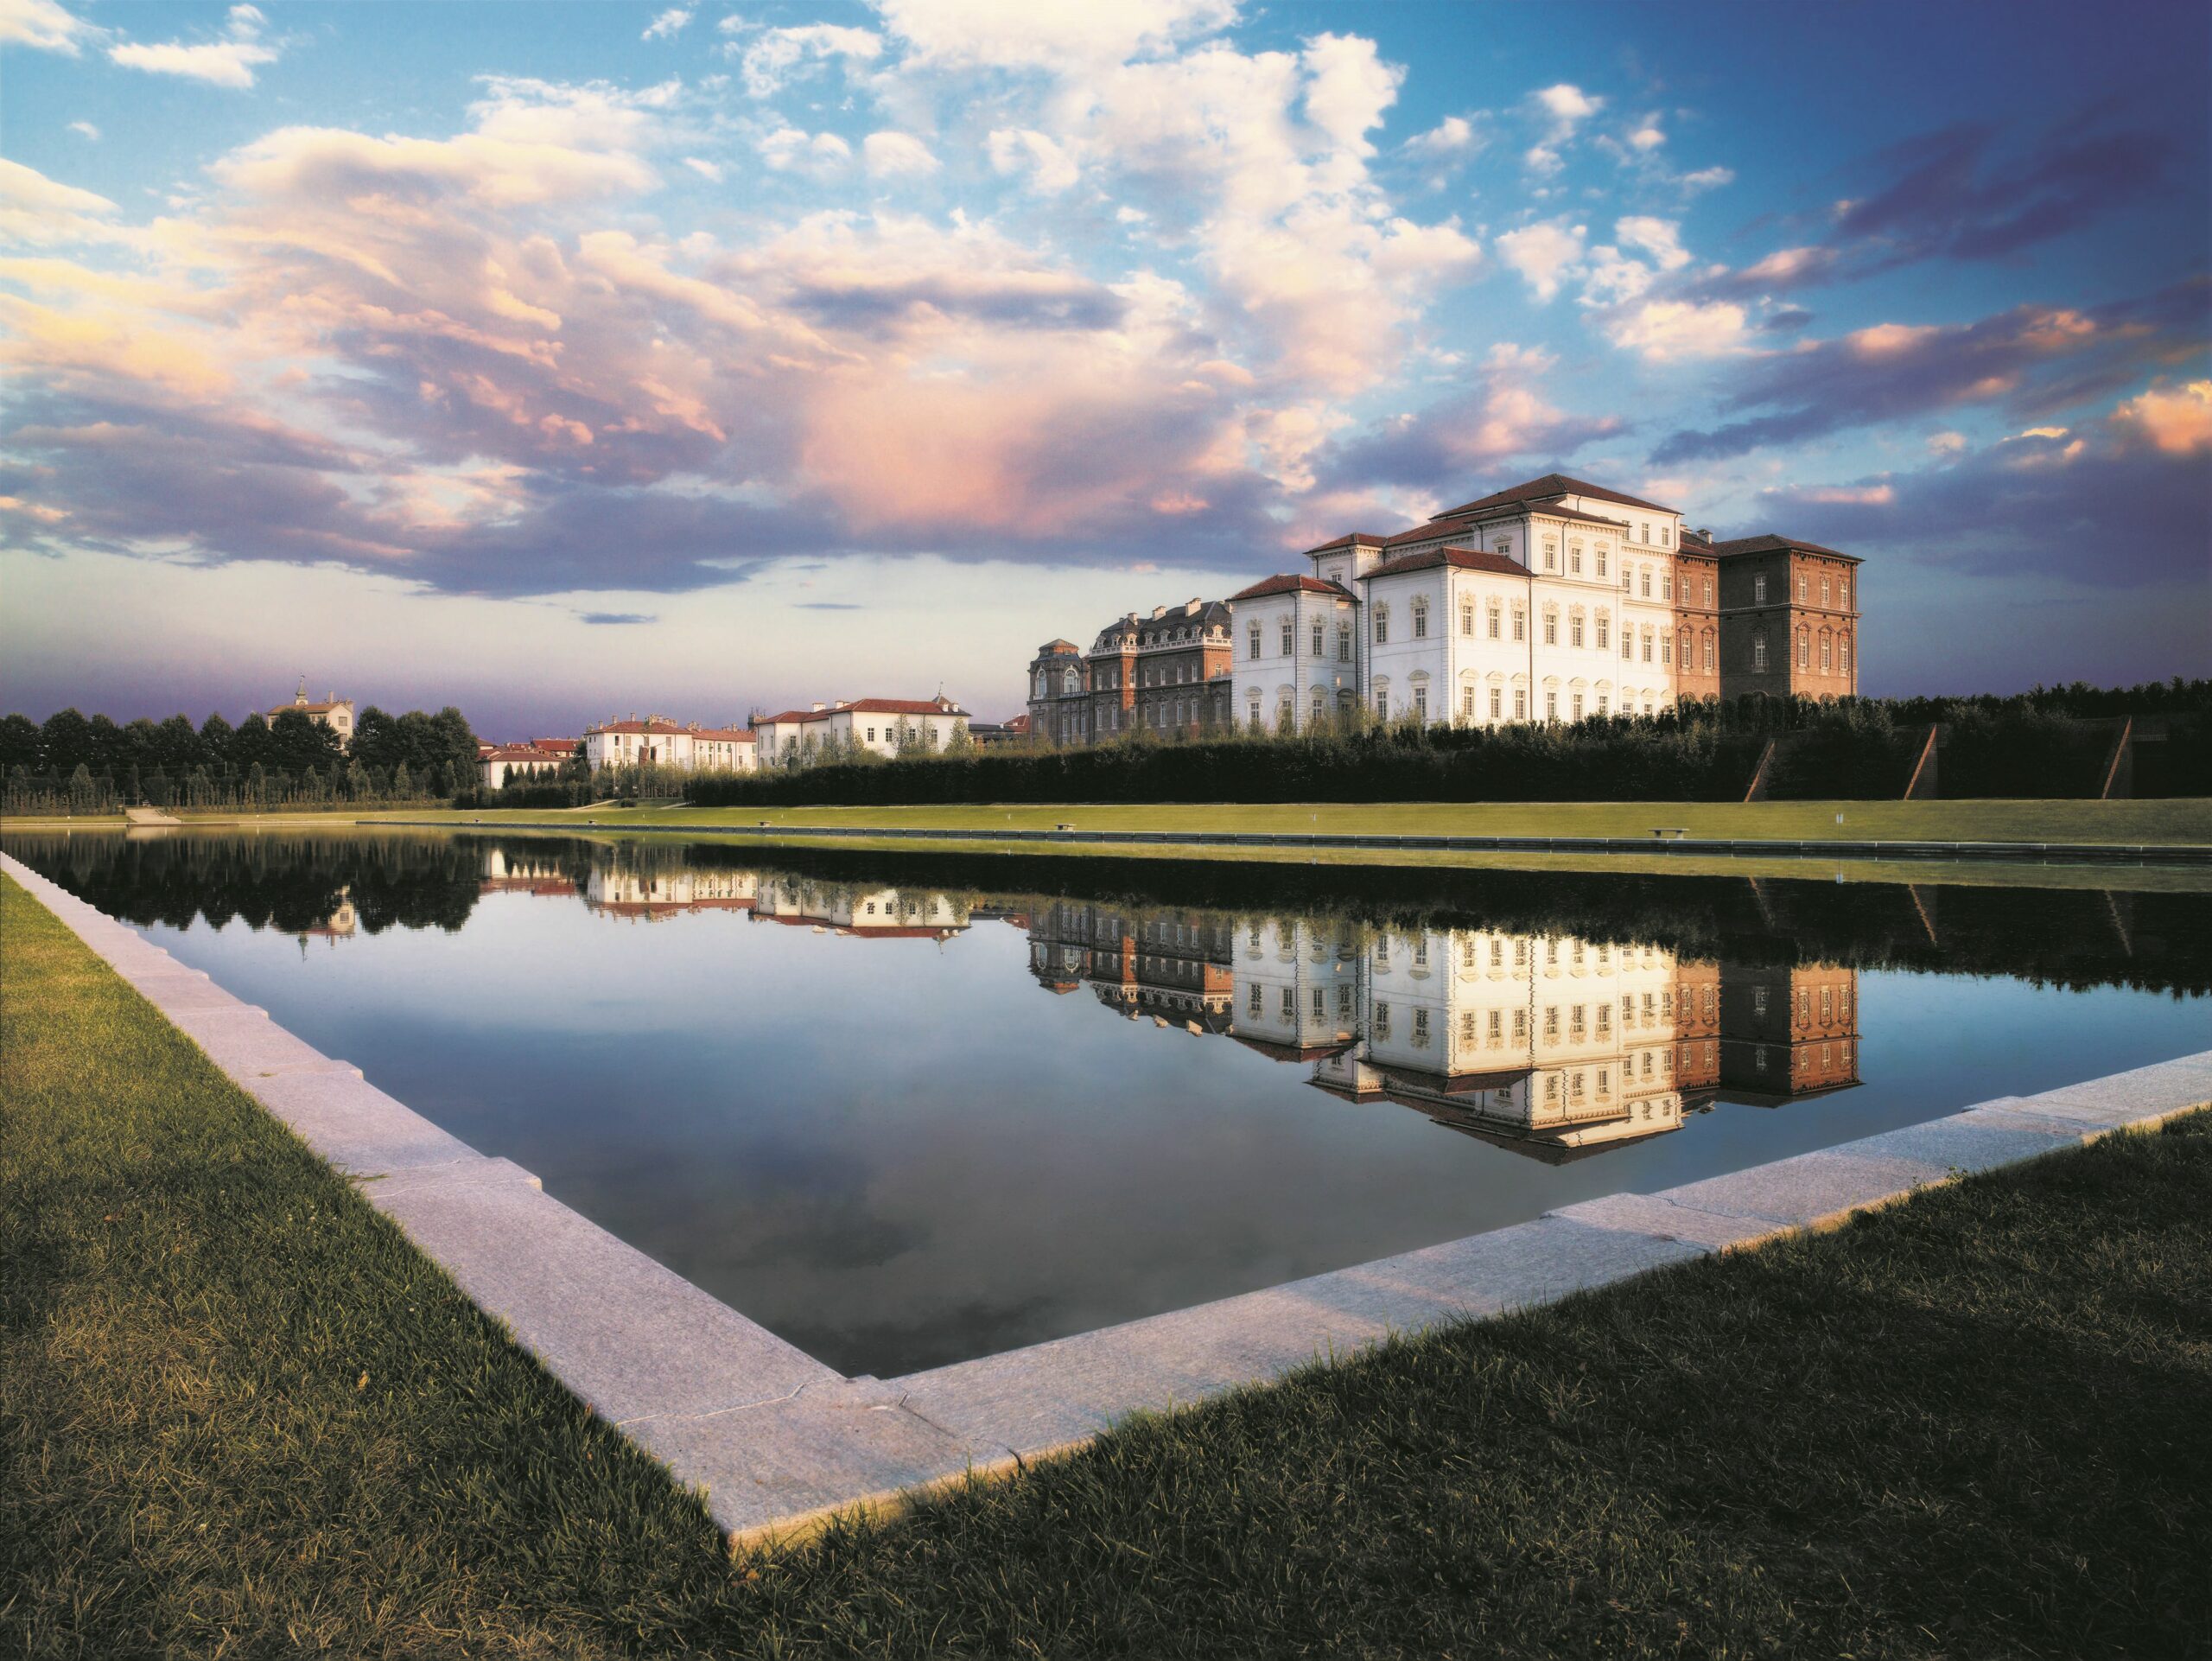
[[176, 746], [403, 783], [297, 740], [249, 747], [65, 741], [83, 793], [19, 744]]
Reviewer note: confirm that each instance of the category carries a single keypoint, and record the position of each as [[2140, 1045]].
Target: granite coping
[[777, 1441]]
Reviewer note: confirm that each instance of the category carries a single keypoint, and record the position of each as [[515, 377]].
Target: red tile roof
[[635, 726], [1347, 541], [1551, 484], [1768, 543], [1288, 585], [727, 734], [521, 752], [872, 707], [1464, 559]]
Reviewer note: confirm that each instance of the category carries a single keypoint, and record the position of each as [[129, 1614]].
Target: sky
[[568, 362]]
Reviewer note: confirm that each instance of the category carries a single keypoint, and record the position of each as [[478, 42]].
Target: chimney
[[1159, 611], [818, 706]]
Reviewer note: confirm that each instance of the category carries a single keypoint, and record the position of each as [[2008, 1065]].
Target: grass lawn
[[2188, 820], [240, 1415]]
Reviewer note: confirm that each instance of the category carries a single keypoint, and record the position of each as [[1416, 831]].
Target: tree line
[[77, 763]]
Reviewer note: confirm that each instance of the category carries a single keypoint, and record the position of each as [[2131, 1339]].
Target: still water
[[903, 1112]]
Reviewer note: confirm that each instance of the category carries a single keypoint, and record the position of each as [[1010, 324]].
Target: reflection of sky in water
[[902, 1152]]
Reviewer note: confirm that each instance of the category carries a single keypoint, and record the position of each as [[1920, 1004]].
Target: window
[[1551, 555], [1826, 655], [1551, 706], [871, 734], [1759, 654], [1601, 559], [1320, 706], [1520, 703], [1575, 707], [1647, 645], [1665, 537], [1320, 638], [1574, 557], [1804, 589], [1252, 1000], [1381, 625], [1343, 642], [1551, 628], [1666, 586], [1520, 623], [1804, 650], [1824, 591], [1492, 624], [1467, 617], [1666, 648], [1628, 644], [1290, 637], [1420, 620], [1256, 709], [1843, 595], [1707, 638], [1708, 591], [1468, 702], [1252, 641], [1383, 705], [1602, 699], [1575, 629], [1420, 703], [1496, 695], [1647, 582], [1604, 624], [1847, 654], [1759, 590]]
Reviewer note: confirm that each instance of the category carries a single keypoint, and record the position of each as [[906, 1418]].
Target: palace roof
[[1768, 543], [1354, 538], [1290, 585], [1463, 559], [939, 706], [1551, 484]]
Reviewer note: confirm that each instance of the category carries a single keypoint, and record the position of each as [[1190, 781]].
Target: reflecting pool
[[905, 1109]]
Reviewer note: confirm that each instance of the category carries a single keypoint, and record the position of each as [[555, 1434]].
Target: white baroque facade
[[658, 741], [1552, 600]]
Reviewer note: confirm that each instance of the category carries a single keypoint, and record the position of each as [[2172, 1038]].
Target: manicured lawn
[[2173, 821], [240, 1415]]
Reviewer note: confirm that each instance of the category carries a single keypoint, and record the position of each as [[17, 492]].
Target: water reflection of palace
[[870, 913], [653, 894], [1550, 1044]]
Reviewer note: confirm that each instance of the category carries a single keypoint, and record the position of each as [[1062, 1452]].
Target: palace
[[1555, 599], [883, 726]]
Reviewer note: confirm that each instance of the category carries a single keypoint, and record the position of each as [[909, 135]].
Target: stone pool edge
[[779, 1441]]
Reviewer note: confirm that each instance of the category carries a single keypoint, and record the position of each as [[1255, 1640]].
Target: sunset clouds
[[1162, 282]]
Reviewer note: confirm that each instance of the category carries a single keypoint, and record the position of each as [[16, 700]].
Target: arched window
[[1254, 704], [1070, 683]]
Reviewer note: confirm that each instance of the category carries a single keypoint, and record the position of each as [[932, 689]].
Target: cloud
[[1707, 179], [1453, 138], [2177, 420], [36, 209], [707, 170], [1660, 238], [2031, 505], [86, 130], [1048, 167], [1070, 39], [1440, 448], [668, 25], [44, 26], [1545, 254], [603, 619], [1666, 330], [1568, 105], [819, 156], [1647, 137], [897, 156], [2031, 359], [778, 55], [228, 62]]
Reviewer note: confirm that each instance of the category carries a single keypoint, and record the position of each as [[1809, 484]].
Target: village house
[[659, 741], [878, 726], [497, 763], [330, 710]]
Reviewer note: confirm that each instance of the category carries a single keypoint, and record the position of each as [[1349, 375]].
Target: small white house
[[882, 726], [658, 741]]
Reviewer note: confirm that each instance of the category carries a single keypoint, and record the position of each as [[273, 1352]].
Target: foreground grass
[[239, 1415], [2183, 820]]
